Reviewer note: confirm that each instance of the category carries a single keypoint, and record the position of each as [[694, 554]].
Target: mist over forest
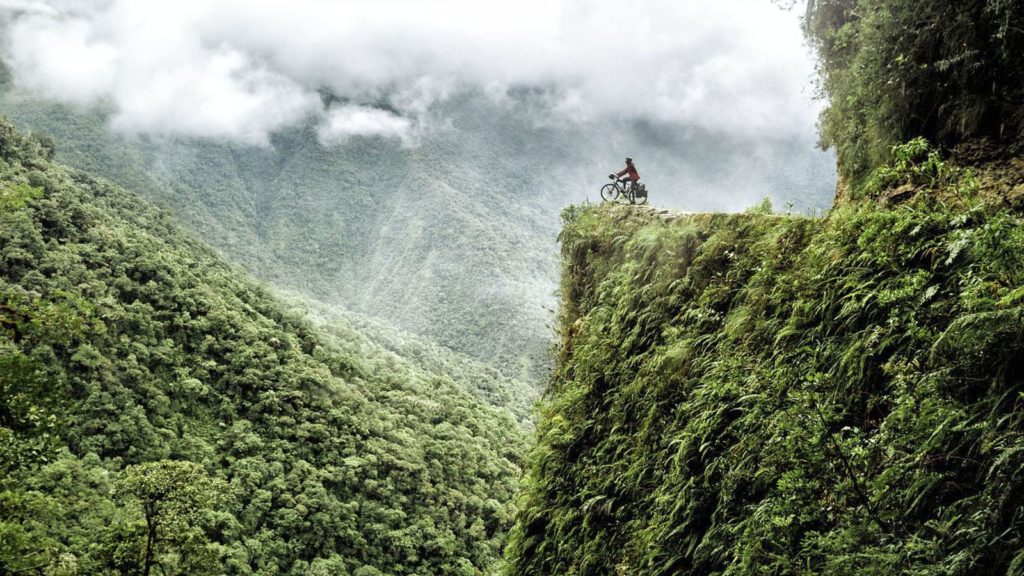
[[410, 169], [702, 107], [327, 288]]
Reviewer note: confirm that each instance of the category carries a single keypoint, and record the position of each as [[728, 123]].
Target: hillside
[[160, 410], [365, 337], [371, 226], [768, 394]]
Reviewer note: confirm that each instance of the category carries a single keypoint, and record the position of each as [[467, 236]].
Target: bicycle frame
[[627, 191]]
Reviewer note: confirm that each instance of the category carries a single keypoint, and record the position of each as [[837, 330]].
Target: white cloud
[[243, 68], [344, 122], [222, 95], [63, 58], [161, 76], [29, 6]]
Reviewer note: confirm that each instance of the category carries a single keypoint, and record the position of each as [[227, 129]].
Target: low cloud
[[27, 6], [62, 58], [242, 69], [344, 122]]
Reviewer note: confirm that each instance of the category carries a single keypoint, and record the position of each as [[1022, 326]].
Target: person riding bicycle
[[630, 173]]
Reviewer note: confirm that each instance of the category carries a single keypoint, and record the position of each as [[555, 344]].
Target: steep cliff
[[773, 394]]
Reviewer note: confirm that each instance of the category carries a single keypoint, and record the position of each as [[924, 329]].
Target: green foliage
[[918, 166], [755, 394], [24, 539], [764, 208], [133, 359], [174, 498], [15, 197], [459, 255], [894, 71], [30, 327], [390, 353]]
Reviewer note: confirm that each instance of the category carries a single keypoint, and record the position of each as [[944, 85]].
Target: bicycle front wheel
[[609, 192]]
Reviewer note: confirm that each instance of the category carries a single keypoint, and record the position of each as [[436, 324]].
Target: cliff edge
[[773, 394]]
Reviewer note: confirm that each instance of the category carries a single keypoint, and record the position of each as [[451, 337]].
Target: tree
[[896, 70], [174, 497]]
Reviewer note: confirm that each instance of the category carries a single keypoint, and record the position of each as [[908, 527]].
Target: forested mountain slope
[[369, 338], [160, 411], [461, 252], [764, 394]]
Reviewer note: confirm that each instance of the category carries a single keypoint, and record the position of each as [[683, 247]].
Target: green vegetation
[[175, 499], [159, 411], [897, 70], [916, 167], [462, 254], [452, 240], [763, 394], [411, 357]]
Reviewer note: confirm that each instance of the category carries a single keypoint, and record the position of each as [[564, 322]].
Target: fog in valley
[[409, 160]]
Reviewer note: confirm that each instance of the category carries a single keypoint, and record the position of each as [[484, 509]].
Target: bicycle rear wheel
[[609, 192]]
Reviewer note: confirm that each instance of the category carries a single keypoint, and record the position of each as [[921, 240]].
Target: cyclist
[[630, 173]]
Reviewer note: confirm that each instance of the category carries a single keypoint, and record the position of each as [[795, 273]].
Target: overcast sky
[[240, 69]]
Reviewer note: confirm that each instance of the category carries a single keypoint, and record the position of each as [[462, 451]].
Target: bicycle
[[635, 193]]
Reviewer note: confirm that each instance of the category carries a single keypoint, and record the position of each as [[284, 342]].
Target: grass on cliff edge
[[756, 394]]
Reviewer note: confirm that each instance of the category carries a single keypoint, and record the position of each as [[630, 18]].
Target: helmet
[[629, 160]]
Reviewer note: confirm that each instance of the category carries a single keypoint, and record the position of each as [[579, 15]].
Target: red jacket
[[631, 170]]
